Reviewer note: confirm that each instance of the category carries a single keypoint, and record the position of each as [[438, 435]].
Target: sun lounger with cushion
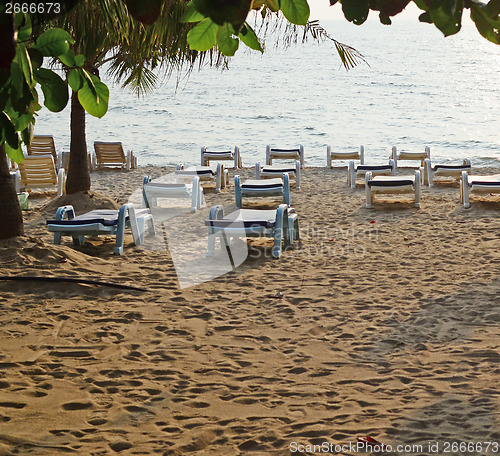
[[262, 188], [273, 171], [111, 155], [102, 221], [430, 172], [206, 174], [284, 154], [152, 190], [281, 224], [354, 171], [234, 156], [39, 171], [346, 155], [477, 184], [421, 156], [392, 185]]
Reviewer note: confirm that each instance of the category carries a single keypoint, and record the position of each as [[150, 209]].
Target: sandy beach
[[380, 322]]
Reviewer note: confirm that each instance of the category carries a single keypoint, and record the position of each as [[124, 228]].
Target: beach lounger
[[206, 174], [44, 145], [262, 188], [111, 155], [281, 224], [151, 191], [39, 171], [273, 171], [234, 156], [477, 184], [354, 171], [392, 185], [284, 154], [346, 155], [109, 222], [421, 156], [430, 172]]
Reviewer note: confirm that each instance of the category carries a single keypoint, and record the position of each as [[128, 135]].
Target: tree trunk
[[78, 170], [11, 218]]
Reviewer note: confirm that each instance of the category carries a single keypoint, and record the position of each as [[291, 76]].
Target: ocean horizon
[[418, 89]]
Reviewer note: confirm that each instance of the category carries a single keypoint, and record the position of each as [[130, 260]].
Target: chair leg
[[286, 189], [328, 156], [278, 231], [120, 231], [417, 188], [237, 191], [368, 190], [297, 175]]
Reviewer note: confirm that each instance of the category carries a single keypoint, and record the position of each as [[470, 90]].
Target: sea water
[[417, 89]]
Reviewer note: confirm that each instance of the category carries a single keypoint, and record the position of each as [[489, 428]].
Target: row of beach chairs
[[271, 180]]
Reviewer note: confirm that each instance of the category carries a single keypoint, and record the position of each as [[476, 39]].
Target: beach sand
[[380, 322]]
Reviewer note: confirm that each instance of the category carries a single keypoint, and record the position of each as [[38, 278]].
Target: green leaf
[[75, 80], [191, 14], [68, 58], [447, 17], [203, 36], [273, 5], [94, 97], [16, 154], [36, 57], [487, 25], [54, 42], [8, 131], [227, 44], [248, 36], [384, 19], [296, 11], [54, 89], [27, 134], [87, 79], [26, 64], [493, 8], [24, 32], [356, 11], [17, 75], [80, 60]]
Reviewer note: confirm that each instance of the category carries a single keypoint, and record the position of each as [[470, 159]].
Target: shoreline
[[396, 340]]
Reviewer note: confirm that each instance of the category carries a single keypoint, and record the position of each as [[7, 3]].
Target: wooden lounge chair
[[477, 184], [354, 171], [281, 224], [430, 172], [111, 155], [234, 156], [39, 171], [346, 155], [44, 145], [152, 191], [392, 185], [421, 156], [109, 222], [206, 174], [262, 188], [273, 171], [284, 154]]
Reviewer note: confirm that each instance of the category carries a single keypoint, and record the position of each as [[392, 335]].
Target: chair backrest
[[43, 145], [38, 171], [109, 155]]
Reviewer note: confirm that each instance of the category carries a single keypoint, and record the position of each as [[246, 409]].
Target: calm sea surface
[[419, 89]]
